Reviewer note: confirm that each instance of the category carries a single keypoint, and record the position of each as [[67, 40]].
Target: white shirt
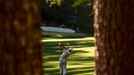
[[64, 55]]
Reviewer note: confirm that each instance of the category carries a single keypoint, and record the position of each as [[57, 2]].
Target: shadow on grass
[[71, 71], [74, 44], [80, 58]]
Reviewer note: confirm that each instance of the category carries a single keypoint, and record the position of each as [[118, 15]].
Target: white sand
[[56, 29]]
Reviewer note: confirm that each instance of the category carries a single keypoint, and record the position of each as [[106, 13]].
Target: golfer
[[63, 59]]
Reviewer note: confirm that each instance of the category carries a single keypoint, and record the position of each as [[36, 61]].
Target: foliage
[[60, 11], [53, 2]]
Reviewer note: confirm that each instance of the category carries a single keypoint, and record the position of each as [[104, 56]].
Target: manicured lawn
[[81, 62]]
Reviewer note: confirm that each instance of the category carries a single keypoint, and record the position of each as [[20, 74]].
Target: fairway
[[81, 62]]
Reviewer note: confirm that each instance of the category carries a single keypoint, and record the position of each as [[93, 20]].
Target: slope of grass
[[62, 35], [80, 62]]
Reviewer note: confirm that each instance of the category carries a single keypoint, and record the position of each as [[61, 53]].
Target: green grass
[[80, 62], [62, 35]]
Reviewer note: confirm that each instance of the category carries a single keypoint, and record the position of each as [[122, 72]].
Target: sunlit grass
[[70, 39], [80, 62]]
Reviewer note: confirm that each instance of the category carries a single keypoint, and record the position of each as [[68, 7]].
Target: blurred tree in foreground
[[20, 52], [114, 33]]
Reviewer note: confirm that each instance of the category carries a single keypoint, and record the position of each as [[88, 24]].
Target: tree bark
[[114, 27], [20, 50]]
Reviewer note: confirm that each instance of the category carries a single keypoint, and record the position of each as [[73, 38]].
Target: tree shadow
[[80, 70], [72, 71]]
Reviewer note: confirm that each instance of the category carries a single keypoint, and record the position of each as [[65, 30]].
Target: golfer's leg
[[64, 69], [61, 68]]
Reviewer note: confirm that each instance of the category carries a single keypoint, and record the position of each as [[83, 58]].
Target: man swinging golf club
[[62, 61]]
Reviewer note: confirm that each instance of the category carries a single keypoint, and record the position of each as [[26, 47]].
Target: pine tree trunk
[[20, 52], [114, 33]]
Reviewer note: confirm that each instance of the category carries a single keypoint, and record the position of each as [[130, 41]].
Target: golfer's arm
[[62, 47]]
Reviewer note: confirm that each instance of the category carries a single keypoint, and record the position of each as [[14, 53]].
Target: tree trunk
[[114, 27], [20, 52]]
